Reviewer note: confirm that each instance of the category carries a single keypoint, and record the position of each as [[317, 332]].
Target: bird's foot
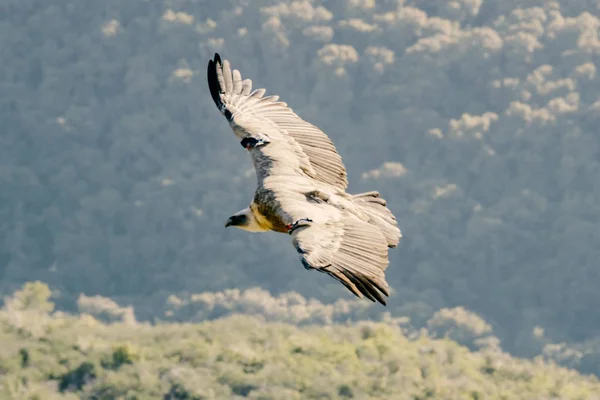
[[250, 142], [292, 227]]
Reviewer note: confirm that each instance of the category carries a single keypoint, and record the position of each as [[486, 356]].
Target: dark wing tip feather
[[215, 87], [370, 288], [213, 81], [361, 285], [379, 285]]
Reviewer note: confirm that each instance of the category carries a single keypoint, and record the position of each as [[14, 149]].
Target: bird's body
[[301, 188]]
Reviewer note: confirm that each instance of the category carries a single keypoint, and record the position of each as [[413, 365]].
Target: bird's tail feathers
[[376, 208]]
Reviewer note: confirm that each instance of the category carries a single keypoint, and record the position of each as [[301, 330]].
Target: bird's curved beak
[[229, 222]]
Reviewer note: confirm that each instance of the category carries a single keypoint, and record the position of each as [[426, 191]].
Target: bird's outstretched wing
[[350, 250], [264, 119]]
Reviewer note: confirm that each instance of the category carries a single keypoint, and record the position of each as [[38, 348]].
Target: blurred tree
[[35, 296]]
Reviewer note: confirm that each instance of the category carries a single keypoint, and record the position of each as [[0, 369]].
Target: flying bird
[[302, 188]]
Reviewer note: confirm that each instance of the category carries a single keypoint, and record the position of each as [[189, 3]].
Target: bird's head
[[245, 220]]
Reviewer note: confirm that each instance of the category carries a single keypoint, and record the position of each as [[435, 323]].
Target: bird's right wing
[[300, 147], [350, 250]]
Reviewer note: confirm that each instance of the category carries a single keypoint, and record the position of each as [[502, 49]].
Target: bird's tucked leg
[[250, 142], [301, 222]]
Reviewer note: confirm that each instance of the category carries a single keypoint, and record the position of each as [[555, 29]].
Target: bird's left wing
[[350, 250], [266, 120]]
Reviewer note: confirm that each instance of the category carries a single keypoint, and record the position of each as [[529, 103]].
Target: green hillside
[[59, 356]]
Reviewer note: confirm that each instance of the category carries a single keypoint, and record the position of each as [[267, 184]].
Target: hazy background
[[476, 120]]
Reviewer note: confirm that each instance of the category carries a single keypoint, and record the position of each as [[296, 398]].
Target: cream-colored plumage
[[301, 188]]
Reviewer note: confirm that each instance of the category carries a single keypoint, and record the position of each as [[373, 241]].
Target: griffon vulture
[[302, 188]]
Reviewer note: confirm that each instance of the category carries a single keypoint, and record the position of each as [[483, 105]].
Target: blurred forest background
[[476, 119]]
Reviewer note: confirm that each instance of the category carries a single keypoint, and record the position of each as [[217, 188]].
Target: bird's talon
[[250, 142]]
